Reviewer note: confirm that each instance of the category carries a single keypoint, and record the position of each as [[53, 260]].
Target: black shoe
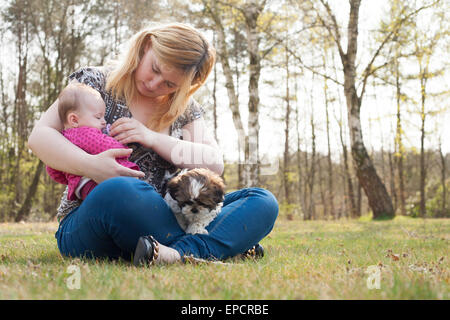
[[146, 251], [255, 252]]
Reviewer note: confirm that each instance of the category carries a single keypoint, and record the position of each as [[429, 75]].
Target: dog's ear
[[169, 175], [182, 171], [172, 188], [218, 194]]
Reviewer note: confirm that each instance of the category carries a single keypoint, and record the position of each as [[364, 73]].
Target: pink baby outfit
[[93, 141]]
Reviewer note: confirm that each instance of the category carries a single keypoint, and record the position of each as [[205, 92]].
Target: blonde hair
[[177, 45], [69, 99]]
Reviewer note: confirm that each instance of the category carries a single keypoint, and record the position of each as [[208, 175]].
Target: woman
[[149, 104]]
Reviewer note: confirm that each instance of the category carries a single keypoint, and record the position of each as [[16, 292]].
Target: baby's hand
[[107, 129]]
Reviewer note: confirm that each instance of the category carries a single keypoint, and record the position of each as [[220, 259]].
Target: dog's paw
[[202, 231]]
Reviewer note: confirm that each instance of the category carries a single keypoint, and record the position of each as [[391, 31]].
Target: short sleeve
[[193, 112], [92, 76]]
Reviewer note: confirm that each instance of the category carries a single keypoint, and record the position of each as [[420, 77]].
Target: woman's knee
[[122, 195], [268, 202], [122, 188]]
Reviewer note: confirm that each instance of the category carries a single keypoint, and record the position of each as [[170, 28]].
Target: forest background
[[337, 107]]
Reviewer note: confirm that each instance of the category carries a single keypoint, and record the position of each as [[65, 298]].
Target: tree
[[327, 119], [250, 15], [215, 13], [424, 50], [18, 21], [379, 200], [377, 195]]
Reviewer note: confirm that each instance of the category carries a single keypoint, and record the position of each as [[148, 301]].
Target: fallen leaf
[[395, 257]]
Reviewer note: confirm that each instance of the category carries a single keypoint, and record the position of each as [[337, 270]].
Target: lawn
[[304, 260]]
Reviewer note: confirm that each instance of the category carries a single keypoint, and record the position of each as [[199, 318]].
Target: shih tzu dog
[[196, 197]]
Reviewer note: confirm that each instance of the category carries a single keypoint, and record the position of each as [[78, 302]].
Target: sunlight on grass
[[304, 260]]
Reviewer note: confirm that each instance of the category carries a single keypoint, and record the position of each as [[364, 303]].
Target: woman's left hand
[[127, 130]]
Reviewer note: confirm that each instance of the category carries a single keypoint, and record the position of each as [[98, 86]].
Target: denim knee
[[269, 201], [119, 187], [121, 196]]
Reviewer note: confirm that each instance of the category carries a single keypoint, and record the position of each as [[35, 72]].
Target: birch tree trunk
[[399, 143], [228, 73], [311, 211], [330, 196], [286, 161], [377, 195], [251, 14], [299, 162], [443, 212], [348, 177], [423, 169]]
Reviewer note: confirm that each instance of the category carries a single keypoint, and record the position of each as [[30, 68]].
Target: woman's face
[[154, 79]]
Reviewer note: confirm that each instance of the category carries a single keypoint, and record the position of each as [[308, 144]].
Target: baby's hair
[[70, 98]]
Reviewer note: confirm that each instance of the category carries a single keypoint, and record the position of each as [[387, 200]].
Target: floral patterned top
[[148, 160]]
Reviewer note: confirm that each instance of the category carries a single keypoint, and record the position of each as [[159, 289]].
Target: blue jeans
[[118, 211]]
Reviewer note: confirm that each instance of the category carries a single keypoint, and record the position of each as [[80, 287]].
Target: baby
[[82, 110]]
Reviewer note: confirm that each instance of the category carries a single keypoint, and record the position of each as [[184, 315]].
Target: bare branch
[[368, 70], [314, 71], [337, 35]]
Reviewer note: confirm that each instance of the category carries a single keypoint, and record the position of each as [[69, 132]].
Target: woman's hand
[[127, 130], [104, 166]]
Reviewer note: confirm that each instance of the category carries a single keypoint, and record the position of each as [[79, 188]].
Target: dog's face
[[197, 191]]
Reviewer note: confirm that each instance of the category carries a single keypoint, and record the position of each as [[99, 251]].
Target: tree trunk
[[312, 171], [229, 84], [423, 172], [377, 195], [24, 211], [392, 180], [399, 142], [323, 192], [330, 163], [443, 212], [348, 177], [251, 15], [286, 178], [299, 162]]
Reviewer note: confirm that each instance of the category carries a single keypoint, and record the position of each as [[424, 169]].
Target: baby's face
[[92, 114]]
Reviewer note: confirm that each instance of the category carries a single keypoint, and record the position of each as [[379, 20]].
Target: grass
[[304, 260]]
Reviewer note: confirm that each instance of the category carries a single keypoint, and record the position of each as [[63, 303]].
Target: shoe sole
[[259, 251], [140, 252]]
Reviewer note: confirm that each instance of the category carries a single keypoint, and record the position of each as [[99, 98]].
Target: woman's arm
[[197, 149], [49, 145]]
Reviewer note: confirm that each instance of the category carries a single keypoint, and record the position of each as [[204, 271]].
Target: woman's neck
[[144, 108]]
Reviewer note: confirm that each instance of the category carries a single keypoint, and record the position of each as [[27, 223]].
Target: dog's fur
[[196, 197]]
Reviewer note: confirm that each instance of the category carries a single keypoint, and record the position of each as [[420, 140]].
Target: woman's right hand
[[104, 166]]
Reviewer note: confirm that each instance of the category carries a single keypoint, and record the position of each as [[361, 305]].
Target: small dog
[[196, 197]]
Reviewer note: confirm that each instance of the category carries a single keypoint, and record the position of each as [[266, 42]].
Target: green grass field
[[304, 260]]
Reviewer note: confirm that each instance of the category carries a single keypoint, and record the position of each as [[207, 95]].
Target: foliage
[[434, 207]]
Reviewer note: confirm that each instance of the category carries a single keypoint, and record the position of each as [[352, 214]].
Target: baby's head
[[81, 105]]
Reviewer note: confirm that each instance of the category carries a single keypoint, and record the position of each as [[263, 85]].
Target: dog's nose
[[194, 210]]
